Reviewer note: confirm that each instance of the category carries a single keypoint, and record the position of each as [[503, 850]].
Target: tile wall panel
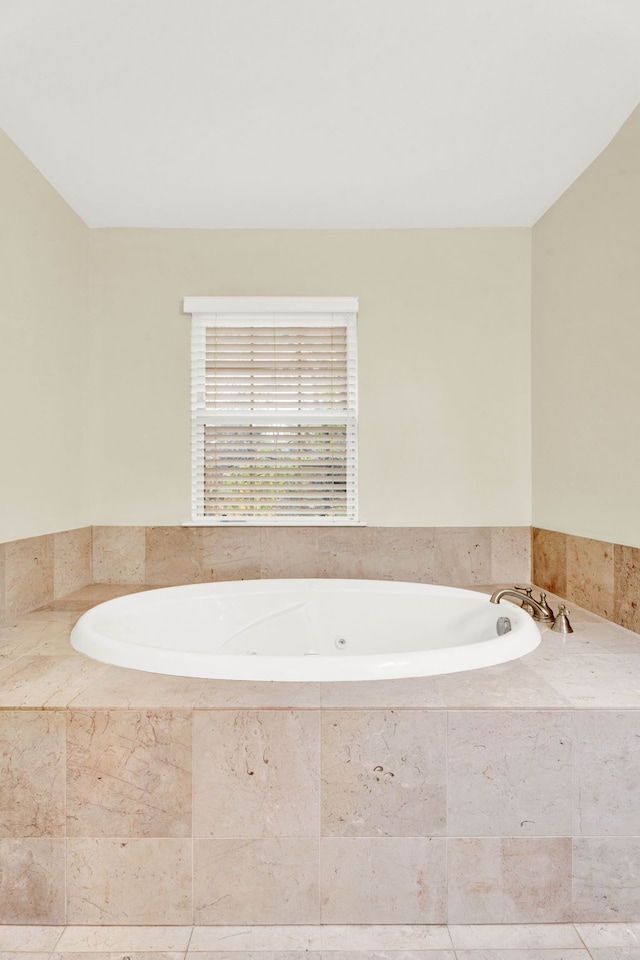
[[451, 555], [129, 773], [626, 578], [549, 556], [256, 773], [72, 561], [118, 554], [32, 880], [590, 569], [383, 773], [28, 574], [259, 881], [510, 774], [32, 773], [129, 881], [600, 576], [510, 880], [305, 816], [3, 601], [37, 570], [383, 880]]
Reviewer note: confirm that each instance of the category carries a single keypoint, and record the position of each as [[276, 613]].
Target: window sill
[[275, 523]]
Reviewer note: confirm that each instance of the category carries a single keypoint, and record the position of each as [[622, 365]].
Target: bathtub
[[305, 630]]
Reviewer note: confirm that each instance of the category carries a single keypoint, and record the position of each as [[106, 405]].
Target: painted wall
[[586, 350], [444, 344], [44, 355]]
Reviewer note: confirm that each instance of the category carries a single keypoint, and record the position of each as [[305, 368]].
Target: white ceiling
[[315, 113]]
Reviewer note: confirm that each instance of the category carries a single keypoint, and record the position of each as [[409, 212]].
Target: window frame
[[252, 311]]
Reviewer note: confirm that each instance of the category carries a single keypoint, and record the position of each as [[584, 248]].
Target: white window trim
[[314, 311]]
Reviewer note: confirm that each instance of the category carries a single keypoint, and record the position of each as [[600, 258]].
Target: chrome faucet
[[540, 609]]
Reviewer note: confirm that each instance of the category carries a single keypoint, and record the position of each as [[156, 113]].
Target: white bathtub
[[304, 630]]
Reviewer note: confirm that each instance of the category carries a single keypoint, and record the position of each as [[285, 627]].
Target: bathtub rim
[[523, 639]]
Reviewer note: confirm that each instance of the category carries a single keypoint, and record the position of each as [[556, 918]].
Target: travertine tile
[[590, 575], [29, 938], [607, 760], [71, 560], [509, 774], [252, 938], [37, 637], [615, 953], [98, 939], [3, 600], [121, 688], [256, 695], [346, 553], [256, 881], [47, 612], [117, 955], [462, 555], [383, 773], [230, 554], [414, 692], [39, 681], [510, 880], [403, 553], [32, 881], [289, 552], [606, 884], [378, 954], [599, 637], [15, 955], [129, 773], [549, 560], [626, 586], [173, 555], [95, 593], [559, 953], [383, 880], [28, 574], [510, 554], [610, 934], [610, 680], [515, 936], [256, 774], [115, 881], [396, 936], [32, 758], [255, 955], [503, 686], [118, 554]]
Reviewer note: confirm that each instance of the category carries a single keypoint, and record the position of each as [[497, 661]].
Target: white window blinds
[[274, 409]]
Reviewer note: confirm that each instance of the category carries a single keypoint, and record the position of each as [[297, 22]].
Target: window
[[274, 408]]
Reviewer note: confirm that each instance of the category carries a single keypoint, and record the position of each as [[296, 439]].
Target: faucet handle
[[527, 590], [562, 624], [545, 606]]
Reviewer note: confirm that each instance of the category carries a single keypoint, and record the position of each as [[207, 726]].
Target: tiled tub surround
[[504, 795], [603, 577], [177, 555], [37, 570]]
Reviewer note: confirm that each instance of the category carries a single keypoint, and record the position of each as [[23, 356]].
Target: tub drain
[[341, 642]]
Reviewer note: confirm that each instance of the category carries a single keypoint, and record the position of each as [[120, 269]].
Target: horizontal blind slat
[[274, 405]]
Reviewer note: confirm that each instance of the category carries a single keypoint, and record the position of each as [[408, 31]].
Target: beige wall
[[44, 353], [586, 351], [444, 343]]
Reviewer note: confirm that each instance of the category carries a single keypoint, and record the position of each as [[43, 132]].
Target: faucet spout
[[542, 611]]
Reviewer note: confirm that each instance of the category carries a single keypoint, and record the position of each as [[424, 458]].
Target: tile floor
[[599, 941]]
